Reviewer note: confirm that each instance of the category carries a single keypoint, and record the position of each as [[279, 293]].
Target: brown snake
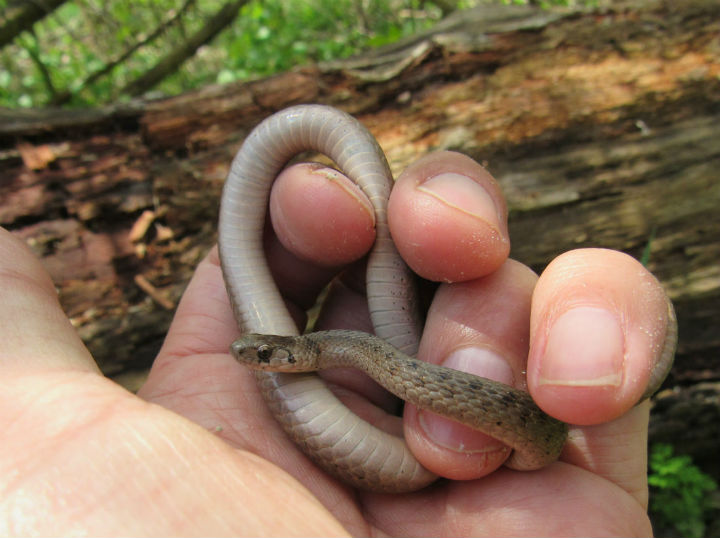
[[334, 437], [494, 408]]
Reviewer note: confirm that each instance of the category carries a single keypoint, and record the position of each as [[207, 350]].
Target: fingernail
[[480, 361], [338, 179], [451, 434], [462, 193], [585, 348]]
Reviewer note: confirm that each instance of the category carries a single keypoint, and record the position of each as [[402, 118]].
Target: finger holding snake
[[601, 327], [229, 467], [482, 325], [544, 498]]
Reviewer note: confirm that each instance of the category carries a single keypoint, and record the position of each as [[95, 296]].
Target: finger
[[557, 501], [599, 325], [36, 334], [615, 450], [480, 327], [320, 215], [449, 219], [321, 221]]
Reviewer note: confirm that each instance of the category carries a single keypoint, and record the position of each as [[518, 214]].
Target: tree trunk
[[22, 15], [601, 127]]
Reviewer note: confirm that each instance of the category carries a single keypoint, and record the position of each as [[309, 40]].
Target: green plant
[[90, 50], [645, 257], [679, 491]]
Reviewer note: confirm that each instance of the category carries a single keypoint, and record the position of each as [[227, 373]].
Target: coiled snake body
[[335, 438]]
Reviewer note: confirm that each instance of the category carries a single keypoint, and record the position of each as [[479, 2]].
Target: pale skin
[[196, 452]]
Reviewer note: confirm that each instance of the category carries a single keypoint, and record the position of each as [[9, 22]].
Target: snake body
[[335, 438], [496, 409]]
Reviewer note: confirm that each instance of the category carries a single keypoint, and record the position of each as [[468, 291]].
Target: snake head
[[266, 352]]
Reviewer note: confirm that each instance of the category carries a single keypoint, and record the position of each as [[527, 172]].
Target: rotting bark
[[602, 128]]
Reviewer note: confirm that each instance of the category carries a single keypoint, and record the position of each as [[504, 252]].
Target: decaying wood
[[689, 416], [602, 128]]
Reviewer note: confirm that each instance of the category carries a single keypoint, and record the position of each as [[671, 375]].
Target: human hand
[[74, 439]]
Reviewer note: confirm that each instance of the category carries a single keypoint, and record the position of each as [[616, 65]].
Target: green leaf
[[679, 494]]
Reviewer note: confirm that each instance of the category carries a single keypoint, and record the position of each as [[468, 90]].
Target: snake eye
[[264, 352]]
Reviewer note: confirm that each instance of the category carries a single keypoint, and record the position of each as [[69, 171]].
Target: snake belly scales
[[335, 438]]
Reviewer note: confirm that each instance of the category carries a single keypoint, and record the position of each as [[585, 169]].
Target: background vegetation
[[682, 496], [90, 52]]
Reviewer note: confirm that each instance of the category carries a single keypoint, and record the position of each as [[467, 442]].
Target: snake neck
[[381, 361], [345, 348]]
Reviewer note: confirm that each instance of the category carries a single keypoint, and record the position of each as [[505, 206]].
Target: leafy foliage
[[87, 52], [275, 36], [679, 496], [84, 36]]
